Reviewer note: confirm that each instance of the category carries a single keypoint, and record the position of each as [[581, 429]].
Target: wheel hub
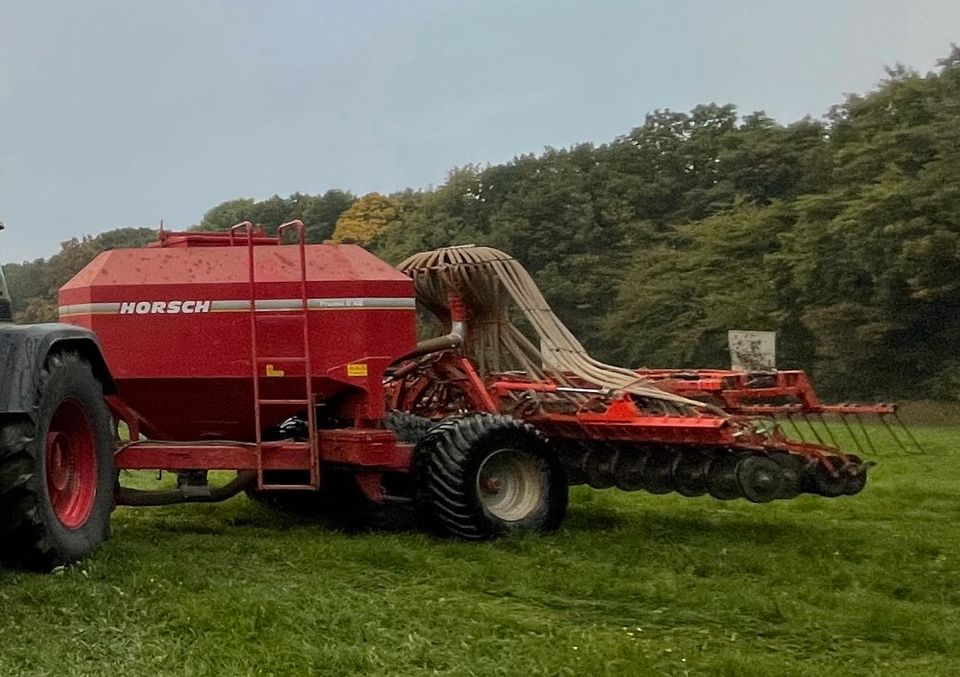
[[511, 484], [491, 485], [760, 478], [71, 465], [57, 472]]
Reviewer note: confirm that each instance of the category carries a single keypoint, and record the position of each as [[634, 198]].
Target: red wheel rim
[[71, 464]]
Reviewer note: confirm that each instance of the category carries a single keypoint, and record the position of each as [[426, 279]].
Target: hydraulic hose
[[126, 496]]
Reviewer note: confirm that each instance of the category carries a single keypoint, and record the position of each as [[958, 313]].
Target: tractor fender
[[23, 352]]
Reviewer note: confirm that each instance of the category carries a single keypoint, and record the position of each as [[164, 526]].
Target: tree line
[[842, 234]]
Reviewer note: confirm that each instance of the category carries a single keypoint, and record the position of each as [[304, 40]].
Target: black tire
[[408, 427], [56, 512], [451, 463]]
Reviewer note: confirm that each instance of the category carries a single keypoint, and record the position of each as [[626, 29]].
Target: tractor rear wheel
[[483, 476], [56, 469]]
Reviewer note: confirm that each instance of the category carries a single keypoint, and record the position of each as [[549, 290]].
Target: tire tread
[[442, 476], [26, 539]]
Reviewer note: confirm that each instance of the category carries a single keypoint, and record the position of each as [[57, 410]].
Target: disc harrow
[[761, 436]]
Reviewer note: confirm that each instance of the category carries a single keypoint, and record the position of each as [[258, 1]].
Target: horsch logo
[[164, 307]]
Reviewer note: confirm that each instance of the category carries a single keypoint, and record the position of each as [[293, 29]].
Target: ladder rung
[[260, 318], [287, 487], [284, 444]]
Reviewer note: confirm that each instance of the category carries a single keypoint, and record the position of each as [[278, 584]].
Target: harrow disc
[[658, 473], [792, 467], [691, 473], [827, 477], [760, 478], [722, 478], [630, 469], [855, 475], [574, 460], [599, 467]]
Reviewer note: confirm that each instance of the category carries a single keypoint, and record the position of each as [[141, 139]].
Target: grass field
[[632, 585]]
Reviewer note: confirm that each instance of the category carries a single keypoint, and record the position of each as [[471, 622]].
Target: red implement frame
[[739, 392], [443, 384]]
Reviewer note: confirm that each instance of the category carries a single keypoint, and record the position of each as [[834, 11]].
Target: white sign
[[752, 350]]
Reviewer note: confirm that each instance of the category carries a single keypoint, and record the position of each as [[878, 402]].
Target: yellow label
[[356, 370], [273, 371]]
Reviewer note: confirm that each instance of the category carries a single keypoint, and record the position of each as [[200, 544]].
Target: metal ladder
[[263, 364]]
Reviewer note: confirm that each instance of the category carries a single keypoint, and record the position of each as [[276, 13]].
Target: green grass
[[632, 585]]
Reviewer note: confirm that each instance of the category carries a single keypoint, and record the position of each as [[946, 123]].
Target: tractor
[[56, 441], [298, 367]]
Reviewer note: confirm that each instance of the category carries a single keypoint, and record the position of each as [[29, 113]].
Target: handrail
[[297, 224], [247, 226]]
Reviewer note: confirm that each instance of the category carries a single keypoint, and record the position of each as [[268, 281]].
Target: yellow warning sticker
[[273, 371], [356, 369]]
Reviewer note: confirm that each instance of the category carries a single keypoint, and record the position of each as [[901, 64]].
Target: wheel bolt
[[491, 485]]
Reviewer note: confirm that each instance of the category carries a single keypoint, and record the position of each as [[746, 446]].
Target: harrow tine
[[774, 419], [856, 441], [826, 427], [909, 434], [896, 439], [866, 435], [796, 427], [814, 430]]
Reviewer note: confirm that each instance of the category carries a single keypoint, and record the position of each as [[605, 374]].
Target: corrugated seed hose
[[487, 280]]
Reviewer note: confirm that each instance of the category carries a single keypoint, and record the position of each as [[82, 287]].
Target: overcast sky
[[119, 113]]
